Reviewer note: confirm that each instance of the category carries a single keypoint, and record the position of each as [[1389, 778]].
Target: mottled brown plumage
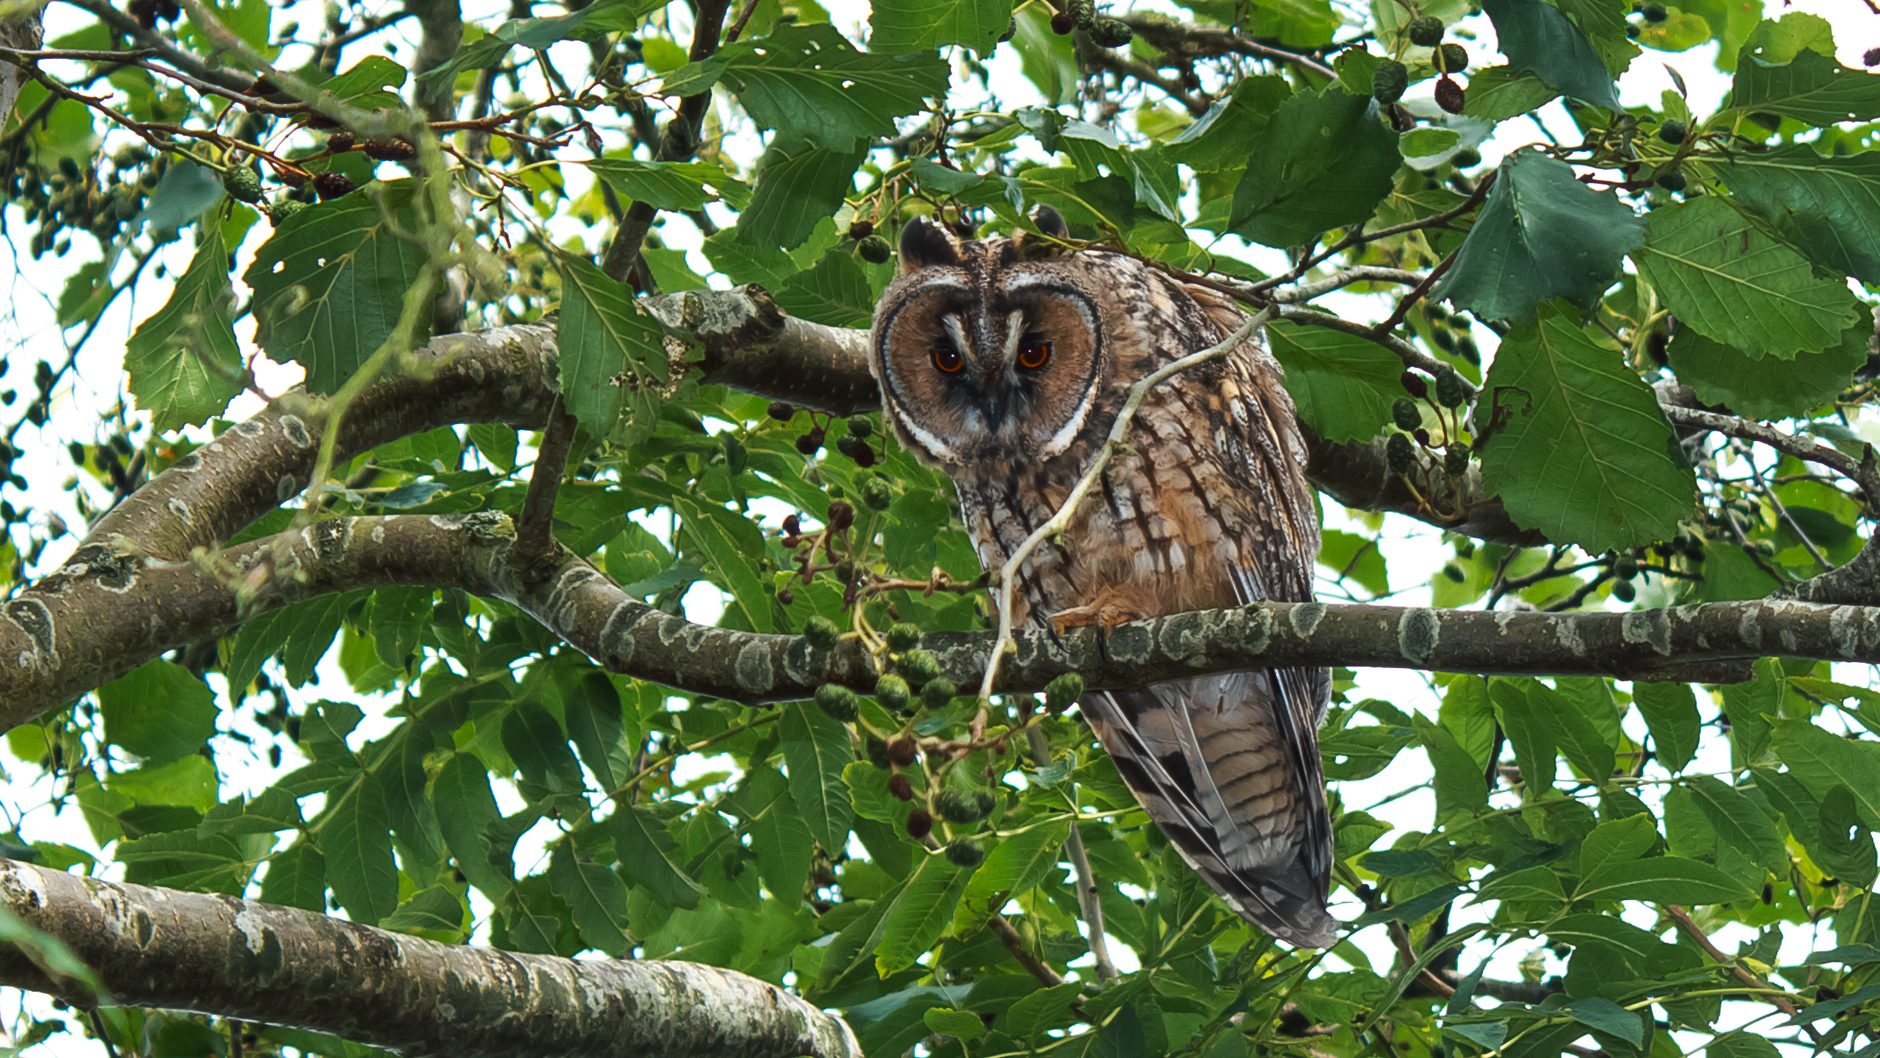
[[1005, 364]]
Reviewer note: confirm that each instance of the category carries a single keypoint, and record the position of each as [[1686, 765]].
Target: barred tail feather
[[1228, 767]]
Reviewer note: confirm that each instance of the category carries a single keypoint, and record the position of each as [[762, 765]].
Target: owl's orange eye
[[1033, 353], [948, 359]]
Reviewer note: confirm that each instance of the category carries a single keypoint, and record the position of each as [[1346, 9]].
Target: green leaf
[[1670, 713], [1840, 844], [1741, 1044], [1323, 161], [183, 361], [608, 347], [436, 908], [536, 33], [1608, 933], [1528, 731], [1720, 274], [1598, 1012], [179, 859], [595, 896], [1662, 880], [645, 852], [1019, 863], [900, 27], [593, 715], [1224, 137], [959, 1024], [1343, 385], [668, 185], [356, 836], [1499, 92], [836, 292], [1539, 39], [1749, 706], [539, 746], [809, 78], [779, 836], [296, 878], [1590, 461], [1718, 374], [1826, 207], [330, 282], [1740, 823], [1823, 761], [921, 912], [732, 544], [1810, 87], [1540, 235], [799, 184], [465, 808], [269, 812], [815, 750], [1616, 842], [1460, 785], [159, 711]]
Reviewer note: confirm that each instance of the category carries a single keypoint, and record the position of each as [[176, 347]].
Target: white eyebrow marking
[[1014, 333], [956, 330]]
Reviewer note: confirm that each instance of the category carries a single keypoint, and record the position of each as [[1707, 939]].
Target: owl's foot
[[1103, 614]]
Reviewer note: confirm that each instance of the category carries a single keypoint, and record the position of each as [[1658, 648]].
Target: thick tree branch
[[282, 966], [109, 613]]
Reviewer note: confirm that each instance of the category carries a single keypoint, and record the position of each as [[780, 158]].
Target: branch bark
[[281, 966]]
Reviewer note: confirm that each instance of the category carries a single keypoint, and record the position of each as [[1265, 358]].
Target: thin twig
[[1080, 862], [1762, 989]]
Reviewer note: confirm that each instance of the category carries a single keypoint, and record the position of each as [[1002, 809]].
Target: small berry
[[1672, 180], [1673, 132], [846, 445], [840, 516], [1450, 391], [1624, 591], [901, 786], [389, 150], [810, 442], [919, 666], [874, 249], [1656, 13], [963, 806], [1870, 57], [1415, 385], [1062, 693], [877, 494], [1449, 95], [861, 229], [938, 692], [821, 633], [877, 752], [1425, 31], [340, 142], [919, 823], [1062, 23], [964, 853], [1456, 460], [902, 751], [903, 636], [863, 455], [1422, 436], [782, 412], [284, 209], [242, 183], [333, 185], [838, 701], [1399, 453], [1404, 413], [786, 596], [860, 425], [893, 692], [1452, 58], [1389, 80], [1111, 33]]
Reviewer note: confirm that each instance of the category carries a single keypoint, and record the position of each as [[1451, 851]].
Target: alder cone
[[1449, 95]]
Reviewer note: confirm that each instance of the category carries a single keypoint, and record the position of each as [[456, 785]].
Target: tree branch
[[214, 954]]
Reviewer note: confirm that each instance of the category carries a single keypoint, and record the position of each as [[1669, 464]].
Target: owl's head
[[989, 350]]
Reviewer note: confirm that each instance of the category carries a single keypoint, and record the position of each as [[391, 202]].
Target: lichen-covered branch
[[111, 613], [259, 962]]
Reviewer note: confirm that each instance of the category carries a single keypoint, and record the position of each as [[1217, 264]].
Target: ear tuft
[[1051, 227], [924, 243]]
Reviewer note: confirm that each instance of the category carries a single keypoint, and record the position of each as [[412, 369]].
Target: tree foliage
[[576, 606]]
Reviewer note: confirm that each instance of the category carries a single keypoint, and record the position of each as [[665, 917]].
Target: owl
[[1004, 363]]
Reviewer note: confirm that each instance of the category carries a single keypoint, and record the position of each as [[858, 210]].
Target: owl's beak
[[999, 400]]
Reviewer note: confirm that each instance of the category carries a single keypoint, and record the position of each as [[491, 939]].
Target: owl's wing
[[1228, 766]]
